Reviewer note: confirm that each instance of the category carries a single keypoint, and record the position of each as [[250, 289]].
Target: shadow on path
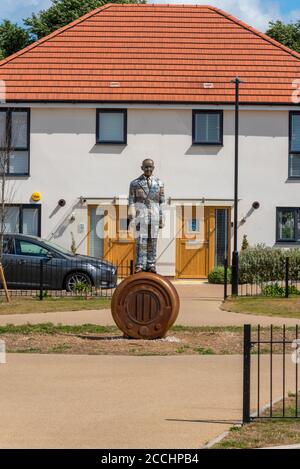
[[225, 422]]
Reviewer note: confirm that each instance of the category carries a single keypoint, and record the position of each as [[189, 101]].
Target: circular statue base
[[145, 305]]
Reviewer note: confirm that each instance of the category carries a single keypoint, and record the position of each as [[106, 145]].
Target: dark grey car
[[62, 270]]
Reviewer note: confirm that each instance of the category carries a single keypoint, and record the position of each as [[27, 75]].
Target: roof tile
[[158, 53]]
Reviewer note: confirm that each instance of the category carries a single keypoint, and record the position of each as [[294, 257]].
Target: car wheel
[[78, 281]]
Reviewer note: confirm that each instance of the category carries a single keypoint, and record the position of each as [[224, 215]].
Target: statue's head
[[148, 167]]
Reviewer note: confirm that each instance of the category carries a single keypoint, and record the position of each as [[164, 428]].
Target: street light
[[235, 253]]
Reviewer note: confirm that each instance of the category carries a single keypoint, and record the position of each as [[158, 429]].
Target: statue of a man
[[146, 209]]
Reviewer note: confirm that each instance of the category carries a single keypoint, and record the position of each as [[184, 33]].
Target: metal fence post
[[246, 373], [41, 279], [287, 268], [225, 278]]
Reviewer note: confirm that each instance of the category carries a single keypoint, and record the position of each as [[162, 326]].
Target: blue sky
[[255, 12]]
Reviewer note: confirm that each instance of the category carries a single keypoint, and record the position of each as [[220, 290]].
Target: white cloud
[[256, 13], [16, 10]]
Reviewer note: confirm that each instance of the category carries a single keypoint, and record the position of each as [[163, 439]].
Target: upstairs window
[[14, 141], [207, 127], [294, 145], [111, 126]]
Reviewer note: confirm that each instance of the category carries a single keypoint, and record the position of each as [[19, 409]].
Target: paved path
[[199, 306], [193, 312], [199, 312], [74, 401], [283, 447]]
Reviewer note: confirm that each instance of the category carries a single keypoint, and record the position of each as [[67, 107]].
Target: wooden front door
[[119, 243], [109, 238], [192, 242], [203, 240]]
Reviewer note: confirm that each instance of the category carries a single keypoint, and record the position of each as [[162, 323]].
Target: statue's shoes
[[152, 269], [138, 269]]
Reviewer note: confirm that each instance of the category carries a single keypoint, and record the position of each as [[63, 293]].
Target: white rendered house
[[84, 106]]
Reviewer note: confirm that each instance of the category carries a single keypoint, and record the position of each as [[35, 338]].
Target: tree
[[245, 243], [12, 38], [287, 34], [63, 12]]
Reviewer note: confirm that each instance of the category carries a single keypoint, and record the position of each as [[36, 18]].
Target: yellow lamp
[[36, 196]]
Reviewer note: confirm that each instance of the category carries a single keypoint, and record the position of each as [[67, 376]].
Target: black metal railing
[[45, 276], [225, 279], [285, 284], [276, 345]]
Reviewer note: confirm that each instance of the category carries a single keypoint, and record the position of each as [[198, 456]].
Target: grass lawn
[[277, 307], [23, 305], [265, 433]]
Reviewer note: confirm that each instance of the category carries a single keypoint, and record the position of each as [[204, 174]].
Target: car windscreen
[[58, 248]]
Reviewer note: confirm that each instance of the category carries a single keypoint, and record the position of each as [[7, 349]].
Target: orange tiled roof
[[152, 53]]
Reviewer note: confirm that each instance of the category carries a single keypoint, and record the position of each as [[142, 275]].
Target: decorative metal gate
[[278, 344]]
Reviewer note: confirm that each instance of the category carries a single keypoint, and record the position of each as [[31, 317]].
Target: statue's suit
[[146, 207]]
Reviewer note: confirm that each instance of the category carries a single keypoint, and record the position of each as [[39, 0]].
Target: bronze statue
[[146, 209]]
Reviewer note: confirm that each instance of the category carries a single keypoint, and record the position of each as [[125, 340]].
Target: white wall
[[66, 163]]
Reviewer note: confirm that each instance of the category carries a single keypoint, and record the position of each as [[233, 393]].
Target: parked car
[[62, 270]]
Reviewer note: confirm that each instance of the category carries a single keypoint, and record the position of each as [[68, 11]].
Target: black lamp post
[[235, 253]]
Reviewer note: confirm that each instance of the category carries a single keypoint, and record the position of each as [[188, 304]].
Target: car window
[[26, 248], [8, 246]]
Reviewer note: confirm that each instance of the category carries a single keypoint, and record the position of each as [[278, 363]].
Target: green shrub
[[260, 264], [265, 264], [273, 290], [45, 294], [276, 290], [217, 275], [293, 290], [81, 288]]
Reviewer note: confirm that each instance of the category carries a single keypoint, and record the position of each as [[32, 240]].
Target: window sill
[[287, 241], [111, 143], [17, 175], [208, 144]]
